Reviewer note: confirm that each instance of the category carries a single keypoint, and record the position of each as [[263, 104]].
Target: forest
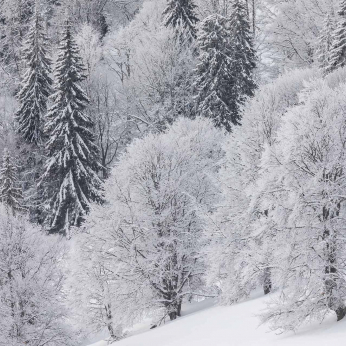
[[161, 152]]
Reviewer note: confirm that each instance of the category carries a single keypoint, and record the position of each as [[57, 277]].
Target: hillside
[[154, 153], [204, 324]]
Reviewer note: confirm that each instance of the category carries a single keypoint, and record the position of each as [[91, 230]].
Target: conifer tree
[[225, 70], [70, 179], [36, 84], [338, 50], [215, 78], [181, 13], [244, 57], [325, 42], [10, 193]]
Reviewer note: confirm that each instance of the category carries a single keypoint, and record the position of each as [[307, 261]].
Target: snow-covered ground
[[205, 324]]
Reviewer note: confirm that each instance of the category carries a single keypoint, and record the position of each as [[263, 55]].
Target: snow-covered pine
[[215, 82], [70, 178], [225, 69], [244, 57], [337, 56], [325, 42], [181, 14], [10, 192], [36, 84]]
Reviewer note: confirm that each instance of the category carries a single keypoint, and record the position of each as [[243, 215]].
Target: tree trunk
[[331, 283], [175, 310], [173, 315], [254, 17], [340, 312], [267, 282], [179, 308], [110, 322]]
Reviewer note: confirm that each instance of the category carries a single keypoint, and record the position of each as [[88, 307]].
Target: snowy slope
[[233, 326]]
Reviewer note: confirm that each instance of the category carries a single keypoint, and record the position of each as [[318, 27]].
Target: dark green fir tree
[[244, 57], [325, 43], [337, 56], [214, 75], [36, 84], [224, 74], [181, 15], [33, 96], [10, 192], [70, 179]]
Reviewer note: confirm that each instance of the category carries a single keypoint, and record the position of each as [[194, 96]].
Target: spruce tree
[[33, 96], [215, 78], [244, 57], [338, 50], [325, 42], [70, 179], [225, 71], [36, 84], [181, 13], [10, 193]]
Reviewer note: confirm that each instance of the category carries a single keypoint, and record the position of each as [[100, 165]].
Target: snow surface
[[205, 324]]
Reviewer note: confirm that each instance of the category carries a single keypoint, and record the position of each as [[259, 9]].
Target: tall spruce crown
[[71, 178], [36, 84]]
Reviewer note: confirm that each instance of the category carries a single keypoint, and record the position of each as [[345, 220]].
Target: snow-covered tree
[[337, 56], [33, 96], [244, 58], [150, 234], [36, 84], [10, 192], [238, 252], [112, 128], [155, 71], [93, 290], [32, 310], [325, 42], [15, 20], [225, 69], [90, 49], [288, 31], [303, 187], [215, 85], [181, 14], [70, 178]]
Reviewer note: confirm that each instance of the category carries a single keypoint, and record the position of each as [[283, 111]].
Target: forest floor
[[206, 324]]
